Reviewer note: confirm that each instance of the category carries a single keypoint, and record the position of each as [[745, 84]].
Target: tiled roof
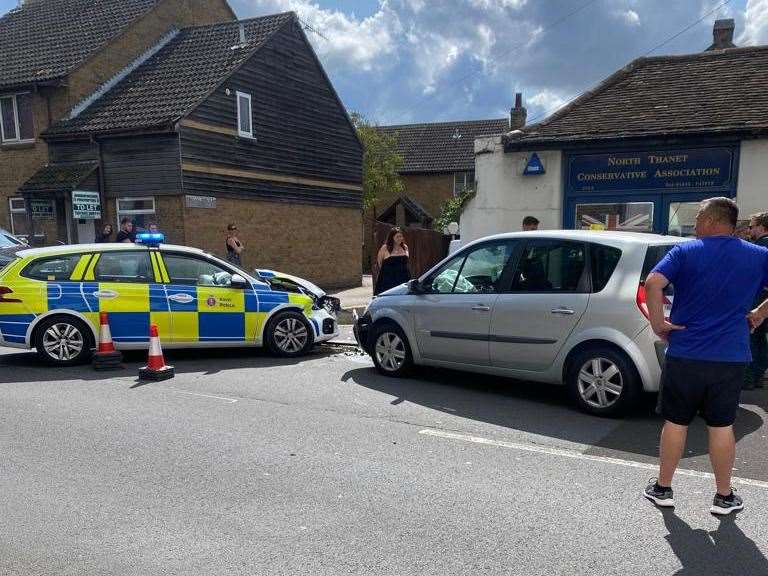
[[46, 39], [178, 77], [411, 206], [442, 146], [713, 92], [58, 177]]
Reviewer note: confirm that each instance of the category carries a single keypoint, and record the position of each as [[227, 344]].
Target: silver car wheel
[[63, 342], [291, 335], [600, 383], [390, 351]]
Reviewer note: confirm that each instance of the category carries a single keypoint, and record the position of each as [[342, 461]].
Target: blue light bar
[[150, 238]]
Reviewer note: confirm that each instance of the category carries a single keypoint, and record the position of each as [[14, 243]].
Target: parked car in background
[[9, 245], [564, 307], [50, 300]]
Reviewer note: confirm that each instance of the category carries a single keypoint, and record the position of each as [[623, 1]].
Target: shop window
[[244, 115], [16, 124], [626, 216], [682, 218], [463, 181], [140, 210], [19, 224]]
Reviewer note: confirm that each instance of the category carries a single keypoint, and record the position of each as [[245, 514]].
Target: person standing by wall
[[708, 336], [392, 260], [234, 246], [106, 235], [127, 234], [530, 223], [758, 340]]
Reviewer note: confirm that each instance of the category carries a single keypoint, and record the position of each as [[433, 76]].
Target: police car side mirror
[[238, 281]]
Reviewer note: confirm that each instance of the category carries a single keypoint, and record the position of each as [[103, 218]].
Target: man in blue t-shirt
[[716, 278]]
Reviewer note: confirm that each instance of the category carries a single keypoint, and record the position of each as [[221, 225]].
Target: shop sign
[[42, 209], [534, 167], [652, 170], [86, 205], [199, 201]]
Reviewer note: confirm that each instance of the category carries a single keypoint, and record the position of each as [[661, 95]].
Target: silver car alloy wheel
[[291, 335], [63, 341], [600, 382], [390, 351]]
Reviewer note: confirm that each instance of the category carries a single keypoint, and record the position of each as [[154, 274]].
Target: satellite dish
[[453, 228]]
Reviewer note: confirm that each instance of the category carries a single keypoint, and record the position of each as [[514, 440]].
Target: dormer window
[[244, 115], [16, 123]]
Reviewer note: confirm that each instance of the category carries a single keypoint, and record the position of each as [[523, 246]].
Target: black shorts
[[691, 387]]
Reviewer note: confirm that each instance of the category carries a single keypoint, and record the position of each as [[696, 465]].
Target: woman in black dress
[[393, 262]]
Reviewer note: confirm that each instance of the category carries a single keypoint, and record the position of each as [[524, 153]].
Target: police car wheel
[[63, 341], [390, 350], [603, 381], [289, 335]]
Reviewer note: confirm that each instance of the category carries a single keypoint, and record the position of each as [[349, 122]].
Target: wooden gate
[[426, 248]]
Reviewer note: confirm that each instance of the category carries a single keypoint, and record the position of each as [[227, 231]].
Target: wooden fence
[[426, 248]]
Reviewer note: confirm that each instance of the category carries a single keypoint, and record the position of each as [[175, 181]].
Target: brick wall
[[319, 243]]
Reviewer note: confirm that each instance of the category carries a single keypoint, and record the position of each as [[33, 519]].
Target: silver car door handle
[[105, 294], [563, 311], [481, 308]]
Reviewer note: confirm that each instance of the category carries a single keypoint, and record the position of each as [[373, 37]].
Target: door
[[204, 306], [547, 296], [86, 232], [452, 319], [126, 288]]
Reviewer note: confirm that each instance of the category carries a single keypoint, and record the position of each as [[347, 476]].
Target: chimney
[[722, 34], [518, 114], [241, 30]]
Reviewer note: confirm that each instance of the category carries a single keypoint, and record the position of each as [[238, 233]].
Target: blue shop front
[[645, 188]]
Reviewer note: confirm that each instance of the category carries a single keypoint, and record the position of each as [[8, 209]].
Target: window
[[478, 272], [123, 267], [627, 216], [551, 266], [603, 261], [18, 210], [57, 268], [16, 124], [195, 271], [140, 210], [244, 115], [463, 181], [682, 218]]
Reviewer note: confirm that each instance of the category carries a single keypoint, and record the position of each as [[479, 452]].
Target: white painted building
[[639, 152]]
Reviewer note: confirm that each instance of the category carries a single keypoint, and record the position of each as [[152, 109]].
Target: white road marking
[[565, 453], [230, 400]]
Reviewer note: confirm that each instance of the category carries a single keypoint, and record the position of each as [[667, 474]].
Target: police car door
[[204, 306], [126, 289]]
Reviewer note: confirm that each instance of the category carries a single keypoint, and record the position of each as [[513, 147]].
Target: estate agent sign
[[86, 205]]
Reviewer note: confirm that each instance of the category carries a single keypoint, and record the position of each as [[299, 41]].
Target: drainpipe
[[102, 185]]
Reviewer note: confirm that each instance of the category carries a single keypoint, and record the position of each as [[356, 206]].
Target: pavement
[[246, 464], [357, 298]]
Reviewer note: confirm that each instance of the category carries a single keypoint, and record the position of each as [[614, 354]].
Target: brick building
[[211, 124]]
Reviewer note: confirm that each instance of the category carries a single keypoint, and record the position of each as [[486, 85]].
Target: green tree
[[450, 211], [381, 161]]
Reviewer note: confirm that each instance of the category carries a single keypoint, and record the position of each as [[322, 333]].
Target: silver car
[[565, 307]]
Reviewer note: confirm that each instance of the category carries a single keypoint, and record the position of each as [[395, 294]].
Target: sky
[[404, 61]]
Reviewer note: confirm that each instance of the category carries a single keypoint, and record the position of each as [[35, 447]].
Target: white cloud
[[755, 23], [345, 38], [548, 101], [631, 17]]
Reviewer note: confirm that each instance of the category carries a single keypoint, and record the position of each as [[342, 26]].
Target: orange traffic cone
[[156, 368], [106, 357]]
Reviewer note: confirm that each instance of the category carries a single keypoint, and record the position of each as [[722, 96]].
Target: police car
[[50, 300]]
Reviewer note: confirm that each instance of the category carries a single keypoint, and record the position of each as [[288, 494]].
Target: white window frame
[[241, 132], [123, 213], [12, 210], [18, 139]]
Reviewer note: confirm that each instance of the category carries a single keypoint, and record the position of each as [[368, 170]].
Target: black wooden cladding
[[142, 166], [215, 185], [72, 151], [299, 125]]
